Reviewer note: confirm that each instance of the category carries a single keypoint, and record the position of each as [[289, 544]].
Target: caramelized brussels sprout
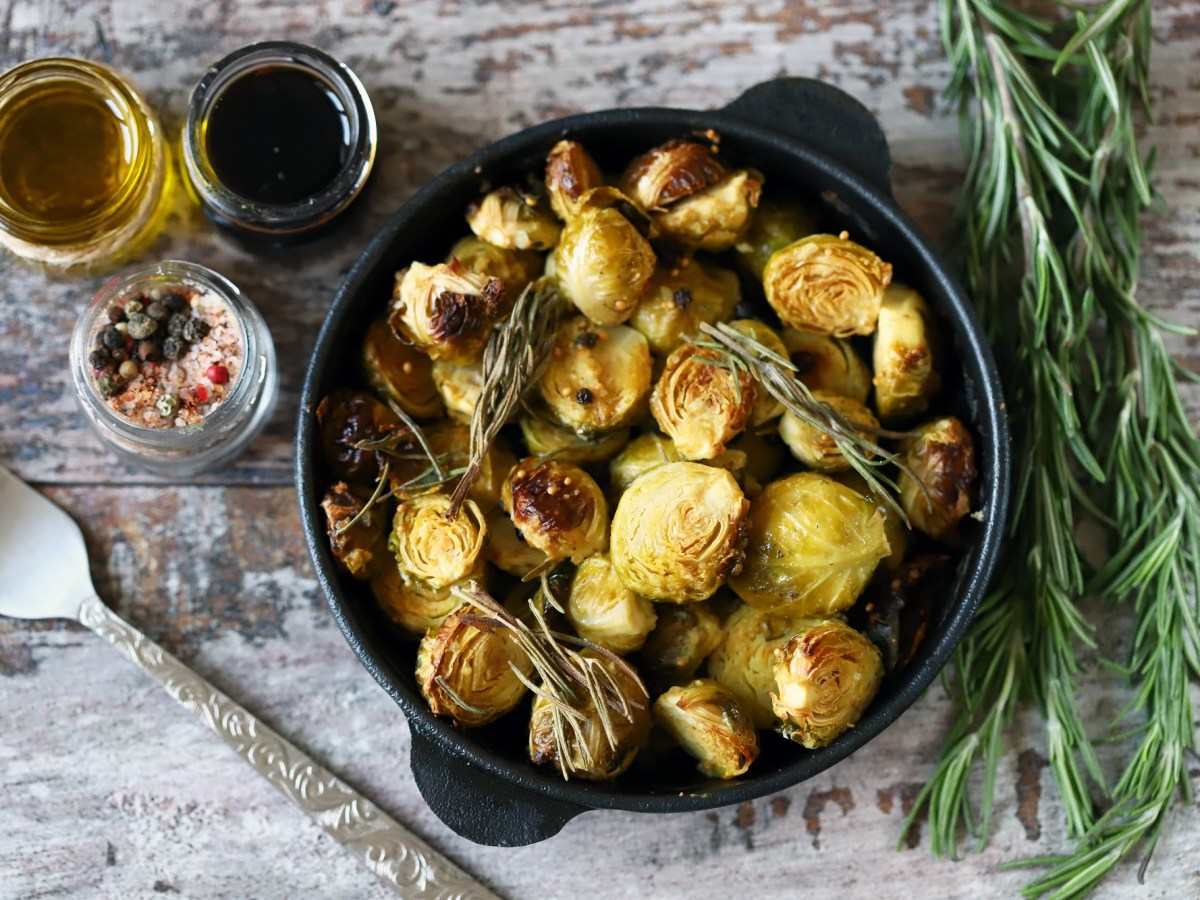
[[355, 536], [677, 300], [548, 439], [347, 419], [446, 311], [586, 752], [410, 472], [897, 612], [702, 400], [558, 508], [828, 364], [766, 407], [678, 532], [672, 171], [506, 549], [570, 173], [745, 660], [765, 455], [598, 378], [709, 723], [682, 639], [516, 268], [815, 447], [413, 607], [514, 220], [813, 547], [894, 528], [602, 265], [459, 388], [602, 610], [905, 377], [715, 218], [399, 372], [465, 670], [432, 550], [827, 674], [942, 455], [775, 224], [826, 284]]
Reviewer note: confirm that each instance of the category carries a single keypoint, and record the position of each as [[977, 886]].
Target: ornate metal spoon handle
[[406, 863]]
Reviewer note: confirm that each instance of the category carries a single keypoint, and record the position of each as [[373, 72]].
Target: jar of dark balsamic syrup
[[279, 141]]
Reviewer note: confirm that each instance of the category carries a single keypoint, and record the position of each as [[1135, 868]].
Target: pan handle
[[824, 117], [482, 807]]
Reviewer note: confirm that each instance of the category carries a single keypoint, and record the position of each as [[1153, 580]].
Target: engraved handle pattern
[[403, 861]]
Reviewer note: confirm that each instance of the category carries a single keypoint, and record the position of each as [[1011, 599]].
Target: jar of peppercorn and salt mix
[[174, 367]]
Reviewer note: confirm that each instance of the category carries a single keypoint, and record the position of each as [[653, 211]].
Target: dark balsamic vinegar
[[277, 135]]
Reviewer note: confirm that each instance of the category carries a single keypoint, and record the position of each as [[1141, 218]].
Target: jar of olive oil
[[84, 167]]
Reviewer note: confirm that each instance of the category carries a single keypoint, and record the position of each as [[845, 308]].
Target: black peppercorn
[[176, 324], [157, 310], [176, 303], [119, 355], [586, 339], [682, 298], [173, 347], [195, 330], [99, 359], [141, 326], [110, 384], [583, 396], [112, 338], [148, 351], [116, 314]]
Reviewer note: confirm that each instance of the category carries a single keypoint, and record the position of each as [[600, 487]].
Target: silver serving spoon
[[44, 574]]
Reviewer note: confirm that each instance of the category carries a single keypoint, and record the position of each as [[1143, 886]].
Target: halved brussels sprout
[[702, 400], [709, 723], [813, 547], [506, 549], [745, 660], [359, 548], [459, 387], [827, 674], [413, 607], [602, 265], [558, 508], [776, 223], [905, 377], [682, 639], [893, 526], [602, 610], [516, 268], [678, 299], [445, 310], [347, 419], [815, 447], [942, 455], [766, 407], [432, 550], [672, 171], [465, 670], [678, 532], [828, 364], [826, 284], [716, 217], [593, 758], [410, 472], [598, 378], [514, 220], [399, 372], [544, 438], [570, 173]]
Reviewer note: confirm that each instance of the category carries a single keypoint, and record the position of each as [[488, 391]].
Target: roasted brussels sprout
[[506, 549], [594, 758], [558, 508], [677, 300], [814, 446], [672, 171], [710, 724], [347, 420], [516, 268], [942, 455], [465, 670], [645, 452], [570, 173], [459, 388], [356, 536], [410, 472], [702, 400], [678, 532], [894, 528], [602, 610], [765, 455], [399, 372], [827, 674], [745, 660], [446, 311], [826, 284], [514, 220], [432, 550], [897, 612], [905, 377], [775, 224], [813, 547], [598, 378], [602, 265], [766, 407], [715, 218], [548, 439], [413, 607], [682, 638], [828, 364]]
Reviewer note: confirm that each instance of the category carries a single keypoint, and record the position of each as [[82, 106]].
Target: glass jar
[[179, 441], [84, 169], [279, 141]]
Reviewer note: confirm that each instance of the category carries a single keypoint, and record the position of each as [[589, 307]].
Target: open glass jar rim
[[292, 220]]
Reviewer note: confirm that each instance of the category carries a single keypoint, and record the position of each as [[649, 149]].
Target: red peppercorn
[[201, 393], [217, 373]]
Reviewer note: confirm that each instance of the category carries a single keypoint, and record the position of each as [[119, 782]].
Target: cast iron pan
[[800, 133]]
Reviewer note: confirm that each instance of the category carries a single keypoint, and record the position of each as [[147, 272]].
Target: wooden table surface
[[110, 790]]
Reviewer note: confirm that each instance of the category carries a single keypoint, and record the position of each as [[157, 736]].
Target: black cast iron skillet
[[804, 135]]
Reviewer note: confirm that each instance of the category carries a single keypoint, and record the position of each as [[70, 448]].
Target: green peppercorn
[[149, 351], [168, 405], [128, 370], [177, 303], [112, 338], [176, 323], [195, 330], [99, 359], [173, 347], [110, 384], [133, 307], [141, 326], [157, 310]]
